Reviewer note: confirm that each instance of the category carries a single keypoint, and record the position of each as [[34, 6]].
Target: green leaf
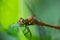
[[13, 29]]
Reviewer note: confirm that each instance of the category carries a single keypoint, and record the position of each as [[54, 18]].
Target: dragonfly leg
[[24, 30], [28, 32]]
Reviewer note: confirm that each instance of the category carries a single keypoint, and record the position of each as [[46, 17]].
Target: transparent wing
[[31, 10], [42, 23]]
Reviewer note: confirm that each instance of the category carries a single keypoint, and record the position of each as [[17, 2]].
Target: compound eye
[[21, 21]]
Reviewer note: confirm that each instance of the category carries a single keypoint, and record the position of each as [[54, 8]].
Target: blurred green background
[[46, 10]]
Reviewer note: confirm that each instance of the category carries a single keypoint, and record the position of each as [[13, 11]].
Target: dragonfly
[[32, 20]]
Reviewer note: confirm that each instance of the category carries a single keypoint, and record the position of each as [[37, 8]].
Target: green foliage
[[46, 10], [13, 29], [8, 12]]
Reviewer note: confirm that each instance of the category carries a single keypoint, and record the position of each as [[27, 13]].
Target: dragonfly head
[[21, 21]]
